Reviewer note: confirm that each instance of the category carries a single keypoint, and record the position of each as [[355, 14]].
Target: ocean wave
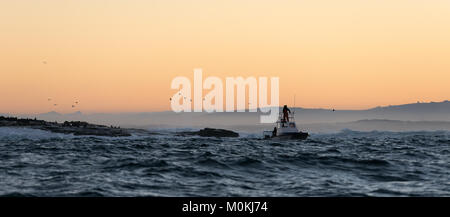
[[28, 133], [17, 194], [347, 164]]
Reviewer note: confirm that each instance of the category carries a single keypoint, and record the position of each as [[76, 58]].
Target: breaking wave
[[349, 163]]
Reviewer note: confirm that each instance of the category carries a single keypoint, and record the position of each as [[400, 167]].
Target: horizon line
[[246, 110]]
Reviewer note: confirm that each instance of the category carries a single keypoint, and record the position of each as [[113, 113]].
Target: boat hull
[[290, 136]]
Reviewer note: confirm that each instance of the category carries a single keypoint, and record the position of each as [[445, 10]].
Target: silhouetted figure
[[285, 113], [274, 132]]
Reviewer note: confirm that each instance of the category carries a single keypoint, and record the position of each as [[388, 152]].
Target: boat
[[285, 130]]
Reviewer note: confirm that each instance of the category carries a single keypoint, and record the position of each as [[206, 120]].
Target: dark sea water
[[38, 163]]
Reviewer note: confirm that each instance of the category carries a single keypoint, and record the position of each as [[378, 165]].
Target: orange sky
[[120, 56]]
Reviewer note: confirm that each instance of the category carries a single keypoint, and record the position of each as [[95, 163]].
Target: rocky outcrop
[[211, 132], [68, 127]]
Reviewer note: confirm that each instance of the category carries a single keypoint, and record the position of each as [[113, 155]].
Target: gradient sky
[[120, 56]]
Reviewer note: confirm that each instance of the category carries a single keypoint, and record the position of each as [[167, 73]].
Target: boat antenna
[[294, 104]]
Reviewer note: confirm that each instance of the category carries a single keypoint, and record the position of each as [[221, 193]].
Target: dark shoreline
[[78, 128], [81, 128]]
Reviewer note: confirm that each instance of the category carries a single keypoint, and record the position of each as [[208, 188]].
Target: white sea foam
[[29, 133], [173, 130], [37, 134]]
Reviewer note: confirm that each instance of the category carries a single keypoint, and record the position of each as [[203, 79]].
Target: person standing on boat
[[285, 113]]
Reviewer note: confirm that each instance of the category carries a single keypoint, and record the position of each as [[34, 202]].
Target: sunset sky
[[121, 55]]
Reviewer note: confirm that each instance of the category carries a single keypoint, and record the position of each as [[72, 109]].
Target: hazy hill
[[423, 115], [408, 112]]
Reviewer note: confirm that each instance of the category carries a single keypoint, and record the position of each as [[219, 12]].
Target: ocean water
[[39, 163]]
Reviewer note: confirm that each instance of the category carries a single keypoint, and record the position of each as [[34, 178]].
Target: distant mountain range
[[56, 113], [431, 107], [424, 115], [433, 111]]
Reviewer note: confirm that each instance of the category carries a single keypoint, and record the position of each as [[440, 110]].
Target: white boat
[[285, 129]]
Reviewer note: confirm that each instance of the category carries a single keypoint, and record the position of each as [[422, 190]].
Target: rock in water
[[77, 128], [210, 132]]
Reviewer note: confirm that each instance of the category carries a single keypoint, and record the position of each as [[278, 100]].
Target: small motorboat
[[285, 129]]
